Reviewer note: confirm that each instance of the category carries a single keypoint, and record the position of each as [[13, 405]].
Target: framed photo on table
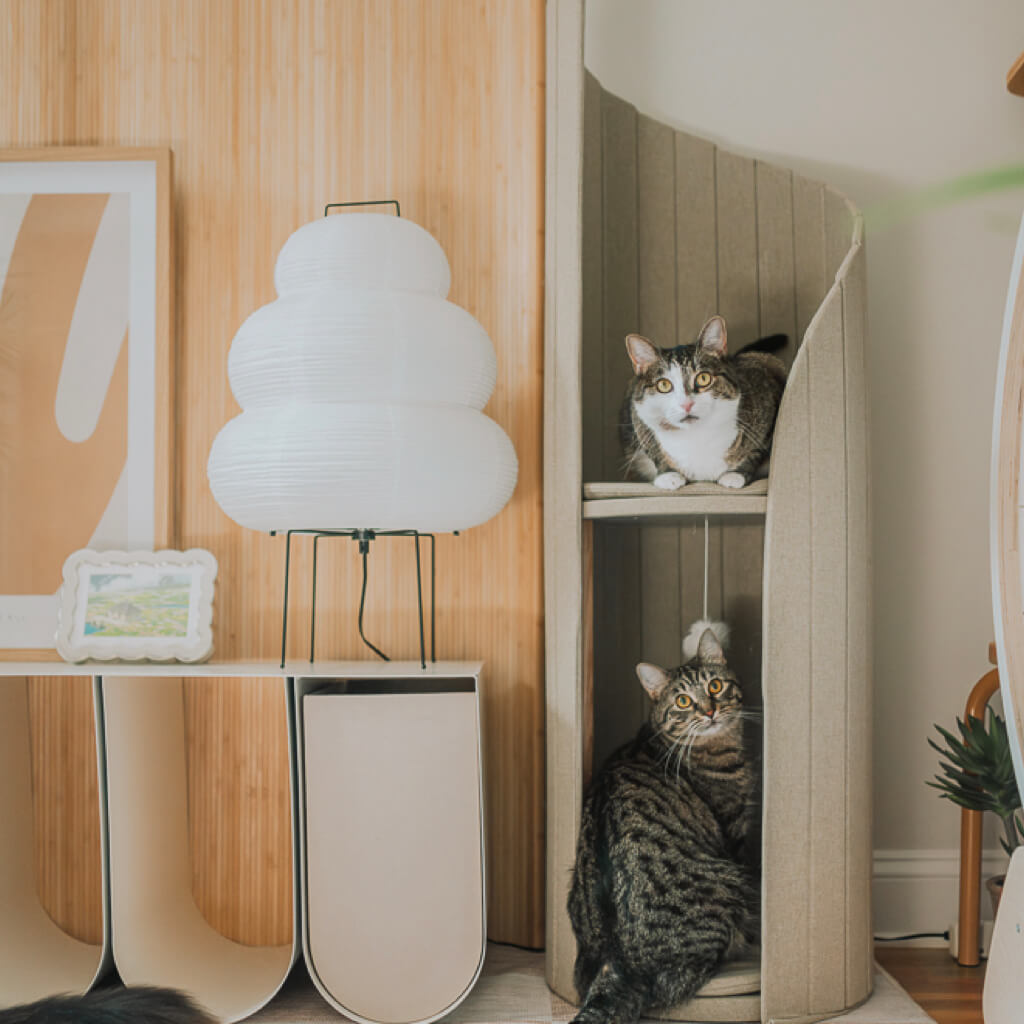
[[137, 606], [85, 370]]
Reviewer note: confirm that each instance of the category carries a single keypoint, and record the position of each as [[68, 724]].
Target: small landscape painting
[[147, 601], [137, 605]]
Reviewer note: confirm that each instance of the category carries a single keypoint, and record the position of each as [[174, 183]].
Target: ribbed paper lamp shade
[[361, 389]]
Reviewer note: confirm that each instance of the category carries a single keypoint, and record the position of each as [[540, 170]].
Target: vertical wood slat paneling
[[592, 257], [16, 784], [696, 241], [66, 818], [439, 105], [656, 313], [619, 701], [785, 938], [656, 235], [739, 302], [742, 569], [859, 647], [775, 266], [697, 298], [827, 680], [587, 653], [737, 247], [618, 603], [619, 246], [240, 805], [808, 250], [662, 609]]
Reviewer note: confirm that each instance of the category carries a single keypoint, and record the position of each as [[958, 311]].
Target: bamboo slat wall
[[270, 111]]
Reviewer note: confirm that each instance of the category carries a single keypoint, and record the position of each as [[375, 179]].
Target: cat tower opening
[[652, 230]]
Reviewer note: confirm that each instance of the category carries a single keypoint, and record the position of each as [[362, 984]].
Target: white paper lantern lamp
[[361, 389]]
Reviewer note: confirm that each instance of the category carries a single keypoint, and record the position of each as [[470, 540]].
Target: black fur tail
[[115, 1005], [611, 999], [772, 343]]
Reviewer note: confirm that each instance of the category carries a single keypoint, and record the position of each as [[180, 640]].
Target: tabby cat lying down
[[694, 412]]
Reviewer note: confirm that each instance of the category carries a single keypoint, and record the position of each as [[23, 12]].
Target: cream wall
[[878, 99]]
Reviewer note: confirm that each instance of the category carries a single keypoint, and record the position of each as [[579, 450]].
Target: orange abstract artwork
[[78, 375]]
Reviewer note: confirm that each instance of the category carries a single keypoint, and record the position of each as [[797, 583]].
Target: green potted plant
[[977, 773]]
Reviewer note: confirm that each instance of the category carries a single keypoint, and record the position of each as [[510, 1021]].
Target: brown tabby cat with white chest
[[694, 412]]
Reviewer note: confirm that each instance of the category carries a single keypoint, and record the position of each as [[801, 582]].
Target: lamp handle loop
[[369, 202]]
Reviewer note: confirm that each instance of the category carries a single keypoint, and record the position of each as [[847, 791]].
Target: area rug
[[512, 990]]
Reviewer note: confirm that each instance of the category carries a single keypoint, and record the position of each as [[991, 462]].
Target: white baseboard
[[918, 890]]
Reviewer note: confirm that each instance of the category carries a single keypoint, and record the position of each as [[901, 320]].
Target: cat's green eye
[[715, 686], [684, 701], [702, 380], [664, 385]]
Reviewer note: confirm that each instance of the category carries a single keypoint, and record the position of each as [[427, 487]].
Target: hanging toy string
[[707, 551]]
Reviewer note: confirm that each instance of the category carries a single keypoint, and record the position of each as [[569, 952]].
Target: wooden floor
[[949, 992]]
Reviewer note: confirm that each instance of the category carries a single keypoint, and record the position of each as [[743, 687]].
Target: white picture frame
[[137, 606]]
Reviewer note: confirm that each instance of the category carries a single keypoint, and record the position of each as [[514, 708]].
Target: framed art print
[[137, 605], [85, 368]]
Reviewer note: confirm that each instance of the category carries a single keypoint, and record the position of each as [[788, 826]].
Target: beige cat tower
[[653, 230]]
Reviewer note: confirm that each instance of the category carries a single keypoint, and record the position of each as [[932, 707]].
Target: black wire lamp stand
[[363, 539]]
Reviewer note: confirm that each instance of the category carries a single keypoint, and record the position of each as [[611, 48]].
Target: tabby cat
[[694, 412], [115, 1005], [665, 886]]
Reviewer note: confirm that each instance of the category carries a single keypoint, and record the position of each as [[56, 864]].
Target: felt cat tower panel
[[651, 230], [37, 958]]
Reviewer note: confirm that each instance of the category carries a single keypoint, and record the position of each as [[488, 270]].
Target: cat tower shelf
[[652, 230], [626, 500]]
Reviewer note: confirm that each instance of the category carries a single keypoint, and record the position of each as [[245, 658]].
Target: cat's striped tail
[[611, 999]]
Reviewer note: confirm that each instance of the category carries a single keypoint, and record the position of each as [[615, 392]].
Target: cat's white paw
[[732, 480], [669, 481]]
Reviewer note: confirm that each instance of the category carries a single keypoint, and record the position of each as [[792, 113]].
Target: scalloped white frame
[[197, 645]]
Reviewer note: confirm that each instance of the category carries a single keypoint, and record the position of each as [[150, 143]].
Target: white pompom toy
[[692, 639]]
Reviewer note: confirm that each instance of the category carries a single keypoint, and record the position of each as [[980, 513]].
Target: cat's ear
[[642, 353], [712, 336], [653, 678], [709, 650]]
